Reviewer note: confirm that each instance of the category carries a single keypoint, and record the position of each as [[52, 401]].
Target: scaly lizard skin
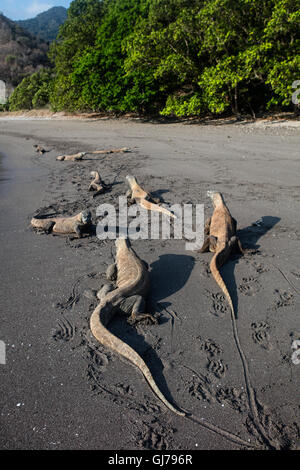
[[121, 150], [143, 198], [72, 158], [97, 184], [63, 225], [132, 286], [221, 239]]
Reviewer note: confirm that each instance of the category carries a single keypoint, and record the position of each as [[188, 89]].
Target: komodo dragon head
[[86, 216], [131, 180], [216, 197]]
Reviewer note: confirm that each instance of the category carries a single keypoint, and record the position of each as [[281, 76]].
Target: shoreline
[[283, 119]]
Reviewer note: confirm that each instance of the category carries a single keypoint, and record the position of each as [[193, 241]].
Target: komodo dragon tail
[[154, 207], [108, 339], [214, 267]]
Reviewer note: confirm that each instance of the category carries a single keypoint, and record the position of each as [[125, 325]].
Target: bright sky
[[23, 9]]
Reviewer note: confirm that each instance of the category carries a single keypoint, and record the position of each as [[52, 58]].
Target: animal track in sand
[[217, 367], [155, 436], [65, 331], [284, 299], [260, 335], [98, 360], [209, 346], [260, 267], [249, 286], [219, 305], [233, 397], [201, 389]]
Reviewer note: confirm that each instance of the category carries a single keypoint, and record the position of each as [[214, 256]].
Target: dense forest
[[171, 57]]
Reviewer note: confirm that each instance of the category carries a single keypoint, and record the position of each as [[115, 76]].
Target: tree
[[33, 92], [75, 35]]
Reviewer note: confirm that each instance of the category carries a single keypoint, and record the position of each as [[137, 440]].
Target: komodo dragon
[[63, 225], [39, 149], [73, 158], [221, 239], [143, 198], [97, 184], [132, 286], [121, 150]]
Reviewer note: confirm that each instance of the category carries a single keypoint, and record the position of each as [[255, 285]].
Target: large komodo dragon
[[73, 158], [144, 198], [131, 286], [221, 239], [63, 225]]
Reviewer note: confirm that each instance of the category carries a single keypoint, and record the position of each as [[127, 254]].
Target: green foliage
[[33, 92], [177, 57], [75, 35], [99, 71], [228, 54]]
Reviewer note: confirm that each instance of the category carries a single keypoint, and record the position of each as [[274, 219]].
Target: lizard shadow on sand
[[249, 237], [158, 193], [168, 275]]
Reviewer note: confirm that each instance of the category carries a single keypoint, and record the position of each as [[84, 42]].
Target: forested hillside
[[45, 25], [21, 54], [176, 57]]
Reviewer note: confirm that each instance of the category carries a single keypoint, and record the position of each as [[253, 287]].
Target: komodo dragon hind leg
[[78, 228], [48, 227], [236, 245], [135, 306], [212, 243], [206, 243], [105, 289], [111, 272], [155, 200]]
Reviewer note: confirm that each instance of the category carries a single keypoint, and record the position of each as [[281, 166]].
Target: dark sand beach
[[59, 388]]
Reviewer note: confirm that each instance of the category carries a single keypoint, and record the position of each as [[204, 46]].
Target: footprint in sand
[[260, 335], [64, 331], [249, 286], [283, 299], [217, 367], [219, 305]]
